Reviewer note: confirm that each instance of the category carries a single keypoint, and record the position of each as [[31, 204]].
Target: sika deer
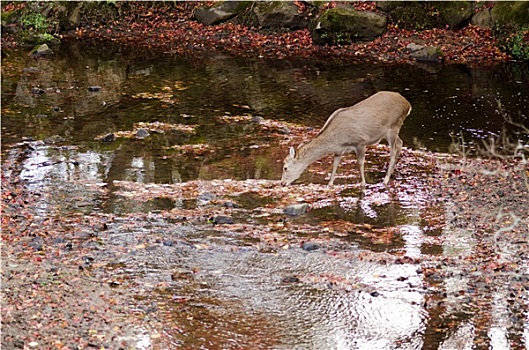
[[352, 129]]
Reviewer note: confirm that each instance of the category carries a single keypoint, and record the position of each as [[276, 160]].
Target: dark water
[[352, 302], [445, 99]]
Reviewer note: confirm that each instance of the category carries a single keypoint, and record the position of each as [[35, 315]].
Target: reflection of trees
[[65, 80]]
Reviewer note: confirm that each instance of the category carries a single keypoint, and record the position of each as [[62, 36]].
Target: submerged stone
[[142, 133], [222, 220], [296, 209], [37, 91], [205, 198], [290, 279], [109, 138], [309, 246]]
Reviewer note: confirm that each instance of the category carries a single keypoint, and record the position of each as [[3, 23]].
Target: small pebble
[[221, 219]]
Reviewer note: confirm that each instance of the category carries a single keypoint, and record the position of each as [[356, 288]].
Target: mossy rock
[[455, 14], [413, 15], [418, 15], [344, 25], [511, 13], [32, 38]]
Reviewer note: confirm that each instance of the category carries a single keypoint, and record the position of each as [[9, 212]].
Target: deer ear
[[292, 152]]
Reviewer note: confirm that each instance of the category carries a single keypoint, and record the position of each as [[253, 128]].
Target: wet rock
[[53, 139], [94, 88], [290, 279], [412, 47], [109, 138], [142, 133], [310, 246], [37, 91], [205, 198], [168, 243], [428, 54], [222, 220], [230, 205], [257, 119], [285, 130], [374, 294], [296, 209]]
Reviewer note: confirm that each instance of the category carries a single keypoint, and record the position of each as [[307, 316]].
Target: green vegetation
[[35, 21], [514, 42]]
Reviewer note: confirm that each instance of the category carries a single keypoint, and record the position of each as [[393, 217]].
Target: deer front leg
[[335, 163]]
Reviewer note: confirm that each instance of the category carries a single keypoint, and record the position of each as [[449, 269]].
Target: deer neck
[[313, 151]]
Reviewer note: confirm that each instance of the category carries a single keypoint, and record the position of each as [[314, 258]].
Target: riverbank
[[174, 29], [469, 45]]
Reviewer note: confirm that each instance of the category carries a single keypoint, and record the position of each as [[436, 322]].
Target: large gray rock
[[344, 25], [41, 51], [296, 209], [421, 15], [425, 53], [220, 12], [280, 14], [482, 19], [455, 13]]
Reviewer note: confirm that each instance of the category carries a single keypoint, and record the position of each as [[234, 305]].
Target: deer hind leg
[[395, 144], [335, 164]]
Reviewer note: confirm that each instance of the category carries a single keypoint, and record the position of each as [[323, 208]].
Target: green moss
[[512, 13], [333, 19]]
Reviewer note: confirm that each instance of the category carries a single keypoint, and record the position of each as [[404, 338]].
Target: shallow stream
[[218, 129]]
